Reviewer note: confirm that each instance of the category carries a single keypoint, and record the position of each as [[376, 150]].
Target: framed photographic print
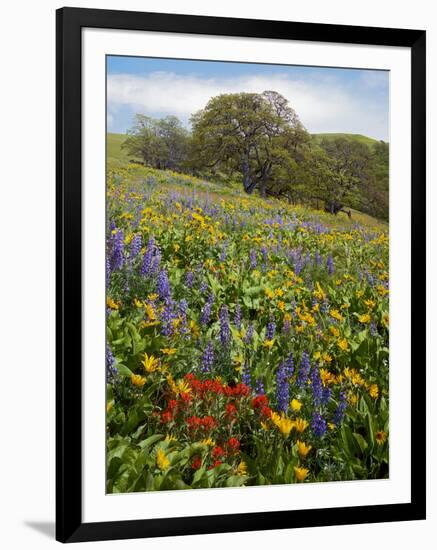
[[241, 274]]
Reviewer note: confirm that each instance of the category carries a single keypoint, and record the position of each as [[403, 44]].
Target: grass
[[353, 137]]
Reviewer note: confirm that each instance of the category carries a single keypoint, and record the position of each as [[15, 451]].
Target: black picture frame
[[69, 524]]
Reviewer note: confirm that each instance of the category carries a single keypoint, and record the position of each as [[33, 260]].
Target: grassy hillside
[[114, 149], [355, 137]]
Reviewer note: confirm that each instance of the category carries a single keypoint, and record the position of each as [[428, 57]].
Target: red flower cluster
[[217, 452], [207, 422], [260, 403], [233, 445], [231, 410], [196, 463], [200, 388]]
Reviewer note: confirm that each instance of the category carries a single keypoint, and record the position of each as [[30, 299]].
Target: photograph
[[247, 274]]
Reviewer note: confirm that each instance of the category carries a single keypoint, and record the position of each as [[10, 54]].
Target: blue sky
[[326, 99]]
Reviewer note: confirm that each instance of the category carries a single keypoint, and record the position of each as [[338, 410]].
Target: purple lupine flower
[[318, 424], [207, 361], [154, 268], [205, 314], [282, 389], [304, 370], [252, 258], [108, 271], [203, 287], [270, 330], [330, 264], [135, 247], [182, 309], [167, 317], [326, 395], [111, 370], [117, 258], [245, 375], [259, 387], [189, 279], [289, 365], [249, 334], [223, 252], [317, 258], [373, 329], [341, 408], [225, 333], [316, 386], [148, 257], [265, 253], [163, 285], [287, 326], [237, 317]]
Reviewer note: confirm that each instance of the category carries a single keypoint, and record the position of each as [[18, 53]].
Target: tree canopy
[[257, 139]]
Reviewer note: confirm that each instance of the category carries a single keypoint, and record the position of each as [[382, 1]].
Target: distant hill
[[113, 147], [355, 137]]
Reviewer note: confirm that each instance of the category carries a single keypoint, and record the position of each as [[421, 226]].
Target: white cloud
[[323, 106]]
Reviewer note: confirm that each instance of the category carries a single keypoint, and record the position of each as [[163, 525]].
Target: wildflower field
[[247, 339]]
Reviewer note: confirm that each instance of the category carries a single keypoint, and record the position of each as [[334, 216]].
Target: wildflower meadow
[[247, 337]]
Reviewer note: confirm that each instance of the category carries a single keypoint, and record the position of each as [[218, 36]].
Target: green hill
[[355, 137], [114, 150]]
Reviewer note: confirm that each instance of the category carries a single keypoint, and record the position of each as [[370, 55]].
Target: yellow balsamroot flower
[[326, 376], [365, 318], [283, 423], [264, 426], [168, 351], [381, 437], [194, 328], [342, 344], [317, 355], [208, 442], [300, 425], [279, 292], [281, 305], [300, 473], [152, 297], [331, 426], [269, 293], [353, 399], [374, 391], [138, 303], [318, 293], [268, 343], [161, 460], [296, 405], [381, 290], [370, 303], [334, 331], [242, 469], [183, 386], [111, 304], [302, 448], [385, 320], [151, 364], [170, 438], [336, 314], [150, 312], [138, 380]]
